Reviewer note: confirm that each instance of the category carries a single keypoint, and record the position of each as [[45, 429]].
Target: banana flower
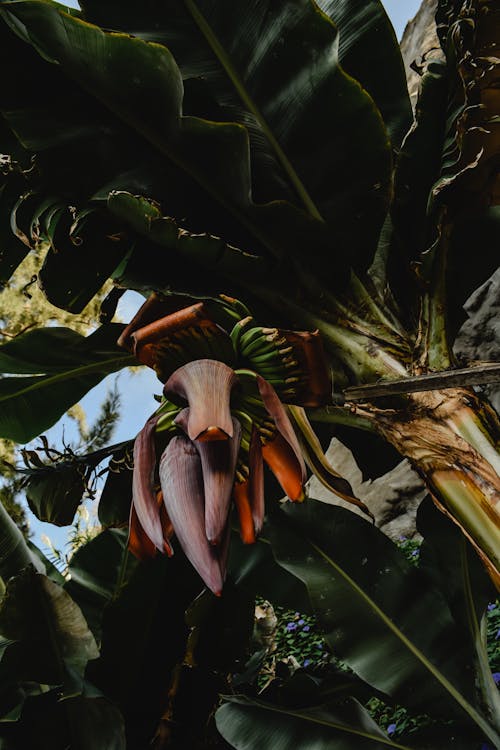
[[221, 417]]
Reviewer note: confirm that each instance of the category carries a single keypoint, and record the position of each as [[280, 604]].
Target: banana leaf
[[51, 643], [457, 571], [371, 606], [52, 368], [15, 553], [247, 724], [229, 268], [146, 621], [213, 157], [368, 46], [49, 724], [99, 570]]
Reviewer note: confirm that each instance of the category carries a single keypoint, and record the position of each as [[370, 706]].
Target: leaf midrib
[[458, 697], [157, 142], [249, 102], [331, 724], [43, 381]]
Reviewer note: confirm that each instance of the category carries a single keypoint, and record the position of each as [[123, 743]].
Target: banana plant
[[308, 206], [261, 158]]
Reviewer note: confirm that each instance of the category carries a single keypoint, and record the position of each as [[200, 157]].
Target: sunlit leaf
[[60, 366]]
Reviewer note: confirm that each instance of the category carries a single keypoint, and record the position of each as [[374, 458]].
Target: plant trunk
[[449, 436]]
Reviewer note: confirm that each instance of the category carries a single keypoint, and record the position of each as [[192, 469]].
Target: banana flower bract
[[222, 416]]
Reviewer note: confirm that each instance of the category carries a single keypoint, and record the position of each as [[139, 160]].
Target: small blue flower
[[291, 626], [491, 606], [497, 635], [496, 677], [391, 729], [414, 553], [319, 645], [307, 662], [301, 622], [402, 539], [306, 628]]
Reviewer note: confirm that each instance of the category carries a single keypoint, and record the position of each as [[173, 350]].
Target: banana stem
[[442, 434], [468, 425], [464, 502]]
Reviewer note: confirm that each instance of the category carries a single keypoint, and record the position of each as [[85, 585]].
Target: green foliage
[[201, 147], [60, 367], [214, 154], [298, 636]]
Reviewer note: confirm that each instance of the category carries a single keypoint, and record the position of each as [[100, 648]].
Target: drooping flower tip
[[181, 478]]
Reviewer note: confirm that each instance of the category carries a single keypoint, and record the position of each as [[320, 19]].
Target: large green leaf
[[145, 217], [369, 52], [14, 551], [84, 253], [144, 636], [371, 605], [12, 249], [63, 133], [47, 644], [254, 569], [456, 569], [334, 119], [99, 570], [247, 724], [51, 642], [58, 367], [368, 45], [417, 168], [47, 723]]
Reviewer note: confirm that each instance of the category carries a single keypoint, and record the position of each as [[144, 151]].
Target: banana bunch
[[267, 352]]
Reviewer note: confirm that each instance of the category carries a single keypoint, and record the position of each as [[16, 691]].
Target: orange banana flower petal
[[138, 541], [155, 307], [161, 328], [206, 384], [282, 421], [283, 462], [181, 481], [256, 480], [143, 496], [241, 494]]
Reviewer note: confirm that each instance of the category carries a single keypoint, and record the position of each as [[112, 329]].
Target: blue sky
[[400, 12], [137, 388]]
